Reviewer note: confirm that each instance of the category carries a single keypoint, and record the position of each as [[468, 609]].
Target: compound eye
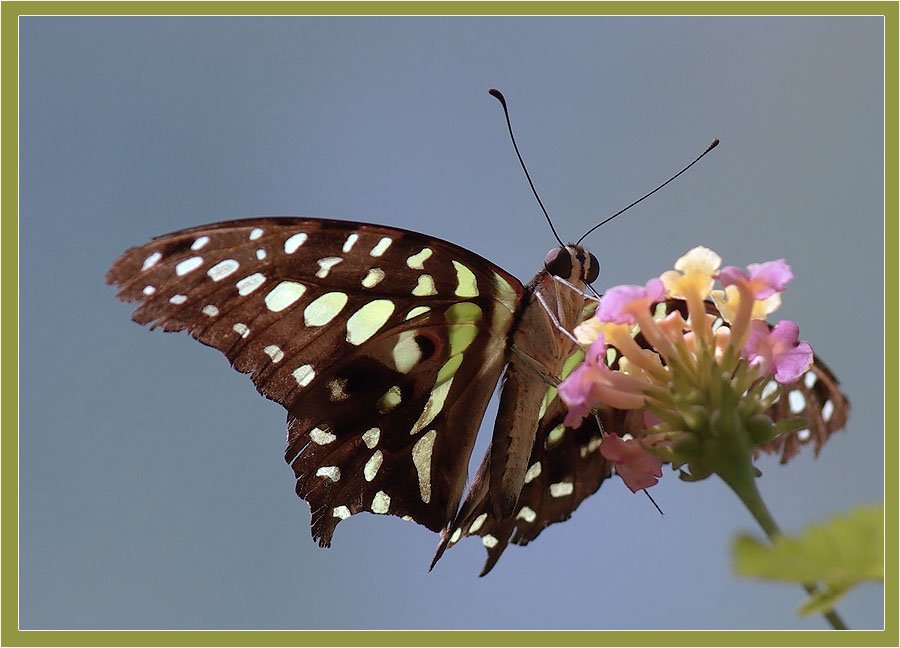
[[593, 272], [558, 262]]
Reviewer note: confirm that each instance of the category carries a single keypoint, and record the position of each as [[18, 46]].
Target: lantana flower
[[698, 372], [700, 379]]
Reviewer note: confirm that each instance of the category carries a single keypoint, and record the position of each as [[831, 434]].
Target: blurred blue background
[[153, 489]]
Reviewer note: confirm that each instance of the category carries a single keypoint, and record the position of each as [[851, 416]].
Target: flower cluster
[[700, 380]]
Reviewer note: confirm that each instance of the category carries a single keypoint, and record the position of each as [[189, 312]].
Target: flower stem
[[742, 481]]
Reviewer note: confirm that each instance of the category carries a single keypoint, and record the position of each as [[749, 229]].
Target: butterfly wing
[[565, 468], [384, 346], [817, 397]]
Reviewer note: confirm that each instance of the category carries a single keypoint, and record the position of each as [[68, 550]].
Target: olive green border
[[10, 635]]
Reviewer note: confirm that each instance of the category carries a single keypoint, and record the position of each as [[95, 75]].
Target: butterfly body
[[385, 347]]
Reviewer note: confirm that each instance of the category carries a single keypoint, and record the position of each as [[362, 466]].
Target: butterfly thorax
[[554, 300]]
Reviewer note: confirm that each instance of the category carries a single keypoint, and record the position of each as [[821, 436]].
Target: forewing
[[371, 337]]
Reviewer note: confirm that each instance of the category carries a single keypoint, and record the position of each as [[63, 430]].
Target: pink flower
[[593, 383], [778, 350], [638, 468], [764, 279], [620, 303]]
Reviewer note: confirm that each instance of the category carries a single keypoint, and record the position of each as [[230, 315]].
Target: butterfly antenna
[[499, 97], [709, 148]]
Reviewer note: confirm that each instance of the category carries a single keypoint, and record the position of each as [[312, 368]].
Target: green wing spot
[[449, 369], [461, 336], [568, 367], [466, 285], [463, 313], [571, 362]]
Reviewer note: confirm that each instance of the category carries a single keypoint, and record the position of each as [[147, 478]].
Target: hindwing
[[384, 346]]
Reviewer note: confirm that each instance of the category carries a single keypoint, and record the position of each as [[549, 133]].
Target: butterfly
[[385, 346]]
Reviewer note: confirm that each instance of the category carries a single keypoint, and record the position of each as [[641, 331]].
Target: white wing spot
[[391, 398], [223, 269], [415, 312], [466, 286], [371, 436], [827, 410], [151, 261], [331, 472], [489, 541], [810, 380], [337, 387], [241, 329], [477, 522], [149, 290], [304, 375], [526, 513], [424, 286], [200, 243], [796, 401], [421, 456], [274, 352], [294, 242], [770, 388], [188, 265], [248, 284], [321, 437], [368, 320], [210, 311], [457, 534], [381, 503], [610, 356], [803, 435], [350, 242], [381, 247], [373, 278], [341, 512], [417, 261], [591, 446], [561, 489], [178, 299], [325, 266], [533, 471], [260, 254], [325, 308], [407, 518], [283, 295], [255, 233], [372, 465]]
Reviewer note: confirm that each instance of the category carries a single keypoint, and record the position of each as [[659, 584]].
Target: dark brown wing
[[565, 468], [384, 346]]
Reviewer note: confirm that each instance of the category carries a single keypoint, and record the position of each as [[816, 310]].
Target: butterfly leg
[[553, 317], [576, 289]]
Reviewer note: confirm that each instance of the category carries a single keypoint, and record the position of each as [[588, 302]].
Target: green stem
[[739, 476]]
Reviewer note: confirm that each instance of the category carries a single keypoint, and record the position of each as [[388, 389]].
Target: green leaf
[[840, 553]]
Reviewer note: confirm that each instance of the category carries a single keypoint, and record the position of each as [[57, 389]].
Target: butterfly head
[[573, 263]]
